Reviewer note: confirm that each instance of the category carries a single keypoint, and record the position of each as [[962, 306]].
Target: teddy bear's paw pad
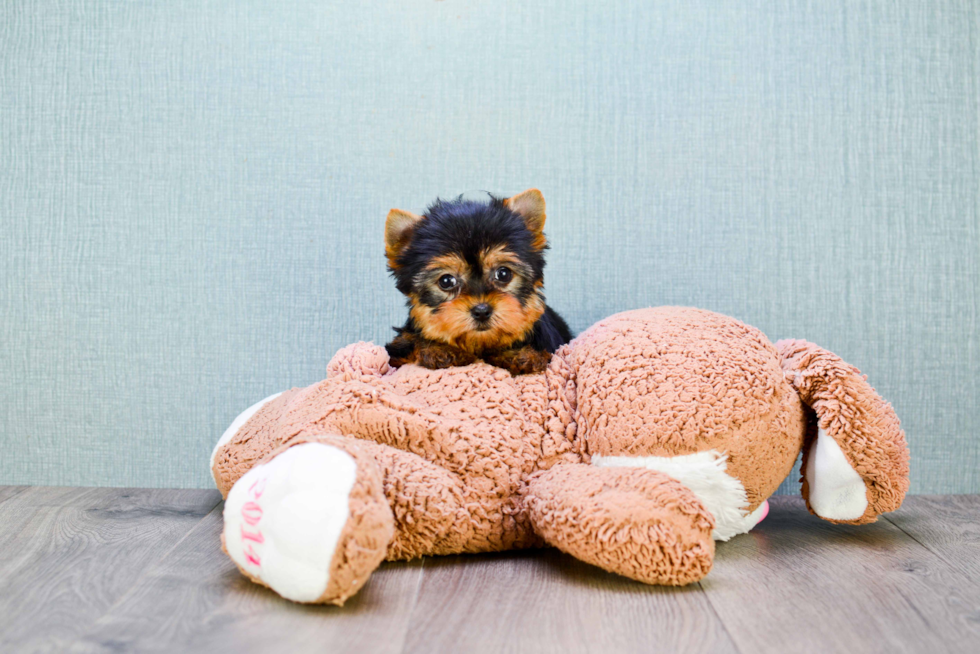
[[283, 519], [837, 491]]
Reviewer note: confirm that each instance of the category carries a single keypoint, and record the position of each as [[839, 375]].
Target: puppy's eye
[[503, 275], [447, 282]]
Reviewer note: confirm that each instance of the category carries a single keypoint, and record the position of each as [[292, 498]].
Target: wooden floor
[[118, 570]]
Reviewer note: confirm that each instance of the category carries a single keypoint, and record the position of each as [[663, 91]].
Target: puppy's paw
[[521, 361], [437, 356]]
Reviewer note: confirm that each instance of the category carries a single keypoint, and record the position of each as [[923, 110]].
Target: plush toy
[[650, 436]]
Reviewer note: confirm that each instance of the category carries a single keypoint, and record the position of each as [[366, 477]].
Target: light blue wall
[[192, 195]]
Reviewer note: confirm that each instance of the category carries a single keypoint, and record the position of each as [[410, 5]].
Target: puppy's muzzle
[[481, 313]]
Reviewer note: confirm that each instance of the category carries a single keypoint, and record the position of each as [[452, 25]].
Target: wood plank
[[946, 525], [545, 601], [195, 600], [797, 583], [6, 492], [70, 553], [115, 569]]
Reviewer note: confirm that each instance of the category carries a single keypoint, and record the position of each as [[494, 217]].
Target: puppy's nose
[[482, 311]]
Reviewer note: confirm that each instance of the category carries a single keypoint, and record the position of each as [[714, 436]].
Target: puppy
[[473, 276]]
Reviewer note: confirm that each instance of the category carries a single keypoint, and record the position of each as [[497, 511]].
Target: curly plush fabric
[[668, 381], [639, 523], [863, 424], [471, 459]]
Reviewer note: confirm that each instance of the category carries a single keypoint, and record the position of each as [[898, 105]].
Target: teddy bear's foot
[[635, 522], [311, 523], [857, 467], [836, 490], [704, 474]]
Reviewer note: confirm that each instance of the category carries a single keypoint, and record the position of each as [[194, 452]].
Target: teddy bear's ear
[[529, 205], [398, 232]]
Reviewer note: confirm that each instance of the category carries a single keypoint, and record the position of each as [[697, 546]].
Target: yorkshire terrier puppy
[[473, 276]]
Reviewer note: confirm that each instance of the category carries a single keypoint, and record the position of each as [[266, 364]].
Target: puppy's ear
[[529, 205], [398, 232]]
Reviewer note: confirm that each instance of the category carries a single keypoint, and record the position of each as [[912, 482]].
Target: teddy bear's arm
[[856, 466], [635, 522]]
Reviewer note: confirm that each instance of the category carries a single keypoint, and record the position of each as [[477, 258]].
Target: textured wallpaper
[[192, 196]]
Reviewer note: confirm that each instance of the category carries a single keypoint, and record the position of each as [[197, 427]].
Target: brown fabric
[[673, 380], [456, 449], [364, 540], [469, 422], [850, 411], [358, 361], [635, 522], [253, 442], [428, 502]]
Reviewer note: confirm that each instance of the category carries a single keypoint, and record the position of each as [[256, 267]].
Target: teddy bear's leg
[[428, 503], [857, 465], [256, 431], [235, 426], [635, 522], [313, 520]]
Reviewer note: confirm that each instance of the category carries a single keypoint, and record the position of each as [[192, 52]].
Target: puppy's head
[[472, 271]]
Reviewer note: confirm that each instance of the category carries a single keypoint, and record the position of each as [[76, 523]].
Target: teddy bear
[[650, 436]]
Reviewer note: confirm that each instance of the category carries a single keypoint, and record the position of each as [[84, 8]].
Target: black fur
[[550, 332], [401, 349]]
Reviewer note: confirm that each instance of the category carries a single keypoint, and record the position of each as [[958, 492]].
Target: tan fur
[[452, 323], [435, 355], [530, 206], [398, 230], [498, 256], [449, 263], [519, 361], [471, 459]]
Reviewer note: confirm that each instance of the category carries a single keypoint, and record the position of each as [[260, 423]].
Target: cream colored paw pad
[[837, 491], [283, 519]]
